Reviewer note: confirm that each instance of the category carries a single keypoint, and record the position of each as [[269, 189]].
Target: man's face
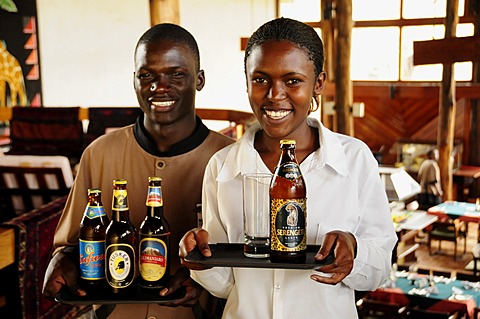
[[165, 80]]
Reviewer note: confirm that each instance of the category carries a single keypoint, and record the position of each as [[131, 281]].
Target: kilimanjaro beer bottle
[[121, 240], [92, 241], [288, 209], [154, 237]]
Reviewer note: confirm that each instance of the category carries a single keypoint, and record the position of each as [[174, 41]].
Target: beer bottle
[[154, 236], [288, 209], [121, 240], [92, 241]]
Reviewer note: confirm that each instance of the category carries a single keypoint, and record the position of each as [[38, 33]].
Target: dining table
[[435, 293], [468, 212]]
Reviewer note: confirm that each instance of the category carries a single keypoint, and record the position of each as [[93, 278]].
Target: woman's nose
[[276, 92]]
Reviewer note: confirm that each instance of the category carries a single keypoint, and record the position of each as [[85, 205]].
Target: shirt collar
[[243, 158], [146, 141]]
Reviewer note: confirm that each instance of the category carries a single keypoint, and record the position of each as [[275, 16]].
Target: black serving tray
[[231, 255], [104, 296]]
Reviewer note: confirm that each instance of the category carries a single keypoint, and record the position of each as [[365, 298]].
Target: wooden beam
[[448, 50], [447, 109], [343, 83], [164, 11]]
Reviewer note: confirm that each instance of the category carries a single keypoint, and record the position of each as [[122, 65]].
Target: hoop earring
[[314, 104]]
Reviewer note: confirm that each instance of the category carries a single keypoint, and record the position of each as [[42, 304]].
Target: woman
[[346, 201]]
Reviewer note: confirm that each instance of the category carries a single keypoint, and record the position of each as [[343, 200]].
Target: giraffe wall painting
[[11, 75], [20, 81]]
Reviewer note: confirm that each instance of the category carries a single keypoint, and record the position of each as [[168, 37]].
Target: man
[[429, 178], [168, 141]]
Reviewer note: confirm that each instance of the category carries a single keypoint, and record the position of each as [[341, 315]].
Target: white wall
[[86, 48]]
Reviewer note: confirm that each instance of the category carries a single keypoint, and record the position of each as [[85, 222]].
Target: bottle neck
[[155, 211], [288, 155], [120, 215]]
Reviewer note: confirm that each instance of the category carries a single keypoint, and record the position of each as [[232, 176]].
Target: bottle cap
[[288, 142], [155, 179], [94, 191], [119, 182]]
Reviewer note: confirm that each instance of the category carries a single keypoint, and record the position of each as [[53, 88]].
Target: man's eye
[[178, 75], [144, 76]]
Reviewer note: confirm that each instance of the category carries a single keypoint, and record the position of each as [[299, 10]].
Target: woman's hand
[[344, 245], [194, 238]]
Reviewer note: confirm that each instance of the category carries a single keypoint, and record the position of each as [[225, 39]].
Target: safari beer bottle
[[288, 209], [92, 241], [121, 240], [154, 240]]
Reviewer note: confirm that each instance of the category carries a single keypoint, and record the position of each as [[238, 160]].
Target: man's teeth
[[163, 104], [276, 115]]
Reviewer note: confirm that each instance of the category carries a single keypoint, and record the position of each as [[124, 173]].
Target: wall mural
[[20, 83]]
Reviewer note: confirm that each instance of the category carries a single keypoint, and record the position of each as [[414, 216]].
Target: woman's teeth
[[277, 115]]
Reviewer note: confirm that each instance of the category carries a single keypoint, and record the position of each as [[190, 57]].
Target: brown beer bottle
[[154, 237], [121, 241], [92, 241], [288, 209]]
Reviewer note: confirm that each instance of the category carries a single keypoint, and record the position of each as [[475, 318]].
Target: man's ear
[[200, 80]]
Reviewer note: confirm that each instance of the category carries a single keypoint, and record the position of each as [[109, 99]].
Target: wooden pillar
[[162, 11], [447, 108], [328, 31], [474, 155], [343, 84]]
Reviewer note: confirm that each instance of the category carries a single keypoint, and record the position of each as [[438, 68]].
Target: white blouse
[[344, 192]]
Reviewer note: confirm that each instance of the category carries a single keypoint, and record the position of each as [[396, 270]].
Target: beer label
[[121, 265], [154, 197], [288, 224], [92, 259], [153, 259], [120, 201], [92, 212], [290, 171]]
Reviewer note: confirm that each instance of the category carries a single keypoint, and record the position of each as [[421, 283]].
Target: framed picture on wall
[[20, 83]]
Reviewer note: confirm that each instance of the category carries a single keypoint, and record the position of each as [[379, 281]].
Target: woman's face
[[280, 84]]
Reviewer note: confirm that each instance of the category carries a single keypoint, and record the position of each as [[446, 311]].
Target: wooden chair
[[46, 131], [24, 188], [467, 277], [417, 313], [451, 231], [369, 308], [425, 271], [476, 312]]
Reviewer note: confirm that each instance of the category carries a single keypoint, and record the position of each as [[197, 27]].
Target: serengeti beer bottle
[[288, 209], [92, 241], [154, 236], [121, 241]]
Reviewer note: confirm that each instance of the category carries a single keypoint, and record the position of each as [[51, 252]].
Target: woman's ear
[[320, 83]]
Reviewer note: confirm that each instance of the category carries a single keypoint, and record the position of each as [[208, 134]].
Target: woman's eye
[[293, 81], [260, 80]]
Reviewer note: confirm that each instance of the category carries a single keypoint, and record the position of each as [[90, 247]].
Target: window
[[383, 36]]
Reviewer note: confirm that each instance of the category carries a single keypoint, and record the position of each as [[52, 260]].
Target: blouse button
[[160, 164], [152, 317], [277, 286]]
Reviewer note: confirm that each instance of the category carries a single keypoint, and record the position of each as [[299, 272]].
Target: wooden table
[[463, 177], [442, 300], [456, 210], [7, 247], [407, 224]]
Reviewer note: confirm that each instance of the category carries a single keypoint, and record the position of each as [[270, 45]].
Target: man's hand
[[182, 279], [62, 271], [344, 245], [196, 237]]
